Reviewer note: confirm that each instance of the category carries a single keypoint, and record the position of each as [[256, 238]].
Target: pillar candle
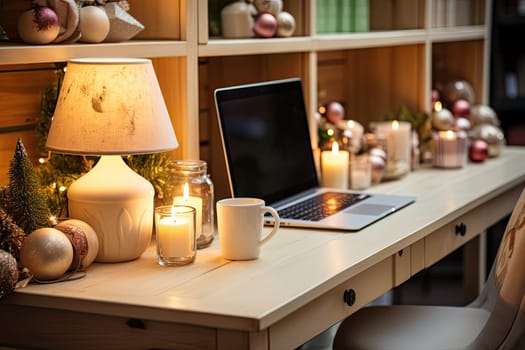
[[398, 146], [194, 202], [174, 237], [450, 149], [334, 167]]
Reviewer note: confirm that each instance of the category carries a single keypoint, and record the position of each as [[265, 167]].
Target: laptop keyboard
[[320, 206]]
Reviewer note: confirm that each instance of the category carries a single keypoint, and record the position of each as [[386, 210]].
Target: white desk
[[293, 292]]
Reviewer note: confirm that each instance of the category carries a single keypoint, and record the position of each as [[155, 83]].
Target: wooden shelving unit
[[371, 73]]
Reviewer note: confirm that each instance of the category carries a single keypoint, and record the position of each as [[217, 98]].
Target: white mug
[[240, 224]]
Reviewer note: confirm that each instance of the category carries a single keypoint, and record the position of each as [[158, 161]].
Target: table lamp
[[112, 107]]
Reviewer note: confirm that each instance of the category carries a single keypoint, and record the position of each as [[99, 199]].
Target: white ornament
[[272, 7], [93, 24]]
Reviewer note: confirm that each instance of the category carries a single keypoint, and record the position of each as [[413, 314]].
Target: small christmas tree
[[25, 202], [11, 235]]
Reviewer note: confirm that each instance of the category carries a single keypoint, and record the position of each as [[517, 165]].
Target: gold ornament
[[47, 253]]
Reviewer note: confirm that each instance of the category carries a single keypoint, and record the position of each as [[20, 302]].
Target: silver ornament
[[482, 114]]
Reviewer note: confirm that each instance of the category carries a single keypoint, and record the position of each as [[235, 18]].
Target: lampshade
[[110, 106]]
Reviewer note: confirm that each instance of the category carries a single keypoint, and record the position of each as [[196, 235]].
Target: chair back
[[504, 292]]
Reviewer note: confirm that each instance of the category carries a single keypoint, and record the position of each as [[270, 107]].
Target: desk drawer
[[29, 327], [456, 233], [331, 307], [408, 262]]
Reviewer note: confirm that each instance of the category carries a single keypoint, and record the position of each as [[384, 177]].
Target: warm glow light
[[322, 109], [330, 132], [395, 125], [62, 188], [335, 147], [438, 106], [186, 191], [41, 160], [351, 124], [53, 220], [451, 135]]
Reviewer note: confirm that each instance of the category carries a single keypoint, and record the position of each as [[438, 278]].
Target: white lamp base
[[118, 204]]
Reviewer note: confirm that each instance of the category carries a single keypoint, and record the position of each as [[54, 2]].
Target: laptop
[[268, 153]]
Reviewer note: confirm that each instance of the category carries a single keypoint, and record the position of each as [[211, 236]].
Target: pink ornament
[[461, 109], [478, 151], [265, 25], [435, 96], [38, 25], [335, 112]]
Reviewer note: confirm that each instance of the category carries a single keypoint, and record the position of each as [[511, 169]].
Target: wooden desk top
[[295, 267]]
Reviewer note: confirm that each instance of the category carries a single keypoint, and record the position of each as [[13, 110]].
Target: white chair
[[495, 320]]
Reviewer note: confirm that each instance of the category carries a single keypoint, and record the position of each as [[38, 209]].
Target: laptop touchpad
[[369, 209]]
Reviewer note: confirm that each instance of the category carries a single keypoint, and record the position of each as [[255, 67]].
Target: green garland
[[57, 171]]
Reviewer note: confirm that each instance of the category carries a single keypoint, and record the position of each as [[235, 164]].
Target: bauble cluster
[[263, 18], [64, 21], [49, 253]]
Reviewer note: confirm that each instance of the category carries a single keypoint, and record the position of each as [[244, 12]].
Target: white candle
[[356, 129], [194, 202], [334, 167], [398, 146], [174, 237]]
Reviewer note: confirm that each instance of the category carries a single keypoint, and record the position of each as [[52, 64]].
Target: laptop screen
[[266, 139]]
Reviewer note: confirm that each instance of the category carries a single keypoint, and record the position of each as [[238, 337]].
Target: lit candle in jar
[[174, 236], [450, 149], [356, 130], [360, 173], [191, 201], [334, 167], [398, 147]]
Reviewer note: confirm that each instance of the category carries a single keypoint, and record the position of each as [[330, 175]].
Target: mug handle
[[276, 223]]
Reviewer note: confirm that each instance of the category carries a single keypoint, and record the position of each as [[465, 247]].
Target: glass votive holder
[[175, 234], [450, 149], [360, 173], [192, 186]]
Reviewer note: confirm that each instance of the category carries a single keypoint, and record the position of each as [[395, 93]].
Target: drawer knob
[[461, 229], [349, 297], [136, 323]]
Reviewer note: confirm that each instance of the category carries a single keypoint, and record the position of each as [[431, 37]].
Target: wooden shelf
[[256, 46], [27, 54], [459, 33], [369, 72], [347, 41]]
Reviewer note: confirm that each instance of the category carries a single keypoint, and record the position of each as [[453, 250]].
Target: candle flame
[[335, 147], [438, 106], [395, 124], [186, 191]]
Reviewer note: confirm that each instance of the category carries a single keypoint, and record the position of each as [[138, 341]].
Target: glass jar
[[192, 186]]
